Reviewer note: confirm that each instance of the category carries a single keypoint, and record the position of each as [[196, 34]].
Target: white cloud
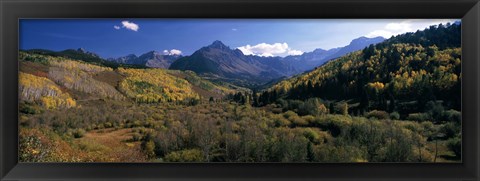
[[405, 26], [269, 50], [234, 29], [382, 33], [392, 29], [116, 27], [295, 52], [172, 52], [130, 25], [402, 26]]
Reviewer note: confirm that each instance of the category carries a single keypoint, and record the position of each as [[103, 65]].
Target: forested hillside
[[404, 74], [81, 54], [47, 93], [155, 85], [309, 60]]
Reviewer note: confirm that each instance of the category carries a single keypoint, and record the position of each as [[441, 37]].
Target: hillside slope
[[418, 67], [64, 81]]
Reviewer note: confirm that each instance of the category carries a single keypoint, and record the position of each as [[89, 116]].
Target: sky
[[112, 38]]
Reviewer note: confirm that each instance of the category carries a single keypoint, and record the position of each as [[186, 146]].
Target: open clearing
[[112, 145]]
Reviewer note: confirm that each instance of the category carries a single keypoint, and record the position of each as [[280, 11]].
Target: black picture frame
[[12, 11]]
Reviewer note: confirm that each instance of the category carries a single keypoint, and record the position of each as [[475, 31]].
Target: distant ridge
[[310, 60], [152, 59], [80, 54]]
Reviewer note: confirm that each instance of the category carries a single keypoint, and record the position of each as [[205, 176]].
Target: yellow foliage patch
[[44, 91], [75, 65], [376, 85], [155, 85]]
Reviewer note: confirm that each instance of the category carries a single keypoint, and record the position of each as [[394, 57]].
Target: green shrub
[[108, 125], [27, 109], [341, 108], [330, 153], [309, 119], [281, 122], [149, 148], [429, 128], [149, 124], [423, 155], [452, 116], [93, 127], [100, 126], [92, 146], [134, 124], [394, 116], [378, 114], [311, 135], [418, 117], [136, 137], [455, 145], [399, 149], [289, 114], [293, 105], [78, 133], [450, 130], [312, 106], [192, 155], [435, 110], [298, 121], [88, 128], [333, 123], [24, 121]]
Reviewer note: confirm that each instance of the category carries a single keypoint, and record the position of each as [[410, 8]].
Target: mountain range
[[220, 61], [152, 59], [309, 60]]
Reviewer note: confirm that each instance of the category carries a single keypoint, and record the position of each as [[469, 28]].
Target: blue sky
[[265, 37]]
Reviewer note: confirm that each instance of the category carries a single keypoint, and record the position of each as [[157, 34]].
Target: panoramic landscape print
[[240, 90]]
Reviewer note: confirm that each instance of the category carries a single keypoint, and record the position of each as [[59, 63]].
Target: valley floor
[[114, 145], [113, 131]]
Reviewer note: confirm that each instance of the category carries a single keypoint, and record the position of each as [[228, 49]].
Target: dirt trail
[[112, 146]]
